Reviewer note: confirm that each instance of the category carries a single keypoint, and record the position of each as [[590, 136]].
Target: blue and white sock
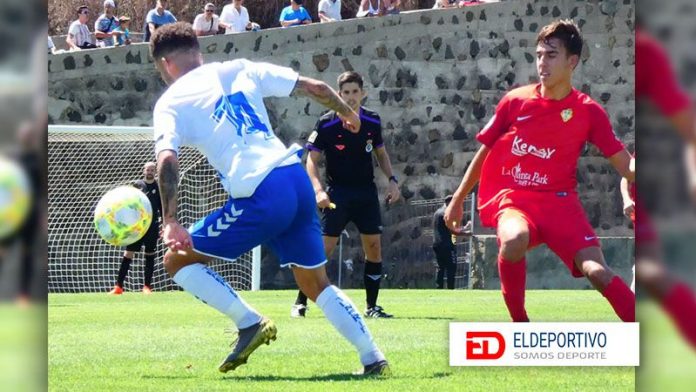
[[209, 287], [341, 312]]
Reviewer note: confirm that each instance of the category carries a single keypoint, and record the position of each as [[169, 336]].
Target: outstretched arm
[[325, 95], [455, 211], [622, 162]]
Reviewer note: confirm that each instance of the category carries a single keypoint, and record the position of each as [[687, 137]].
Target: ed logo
[[478, 345]]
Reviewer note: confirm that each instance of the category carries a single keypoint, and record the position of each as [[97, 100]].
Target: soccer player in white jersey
[[218, 109]]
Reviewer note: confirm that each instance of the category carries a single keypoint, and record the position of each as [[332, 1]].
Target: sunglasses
[[209, 10], [85, 12]]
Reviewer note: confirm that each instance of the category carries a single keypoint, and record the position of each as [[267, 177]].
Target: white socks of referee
[[209, 287], [344, 316]]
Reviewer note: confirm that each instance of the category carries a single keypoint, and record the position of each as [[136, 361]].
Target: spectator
[[392, 7], [157, 17], [442, 4], [79, 36], [370, 8], [105, 24], [294, 15], [51, 46], [329, 10], [122, 32], [235, 18], [206, 23]]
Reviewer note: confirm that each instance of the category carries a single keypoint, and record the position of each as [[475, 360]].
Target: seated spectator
[[392, 7], [370, 8], [105, 24], [79, 36], [235, 18], [294, 15], [442, 4], [206, 23], [329, 10], [122, 32], [158, 16], [51, 46]]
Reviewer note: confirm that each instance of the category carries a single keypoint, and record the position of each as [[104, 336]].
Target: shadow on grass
[[331, 377]]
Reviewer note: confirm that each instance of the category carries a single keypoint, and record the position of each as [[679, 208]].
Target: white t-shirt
[[218, 109], [332, 9], [80, 32], [205, 25], [238, 20]]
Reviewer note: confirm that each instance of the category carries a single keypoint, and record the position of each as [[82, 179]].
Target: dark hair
[[350, 77], [81, 8], [448, 199], [566, 31], [298, 2], [173, 37]]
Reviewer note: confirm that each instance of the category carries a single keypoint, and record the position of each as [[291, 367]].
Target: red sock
[[513, 279], [621, 299], [680, 304]]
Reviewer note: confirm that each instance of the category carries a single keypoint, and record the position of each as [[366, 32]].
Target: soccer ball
[[15, 197], [123, 216]]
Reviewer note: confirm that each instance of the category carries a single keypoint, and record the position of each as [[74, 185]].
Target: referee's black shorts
[[149, 240], [359, 205]]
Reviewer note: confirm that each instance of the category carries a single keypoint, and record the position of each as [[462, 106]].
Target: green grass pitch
[[171, 342]]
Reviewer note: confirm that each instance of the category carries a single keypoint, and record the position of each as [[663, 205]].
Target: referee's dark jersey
[[348, 155]]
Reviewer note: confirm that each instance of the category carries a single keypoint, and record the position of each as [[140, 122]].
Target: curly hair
[[171, 38], [566, 31]]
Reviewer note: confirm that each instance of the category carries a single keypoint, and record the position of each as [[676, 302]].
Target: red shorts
[[643, 226], [556, 219]]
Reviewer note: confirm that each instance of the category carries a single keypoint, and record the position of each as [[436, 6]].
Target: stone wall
[[434, 76]]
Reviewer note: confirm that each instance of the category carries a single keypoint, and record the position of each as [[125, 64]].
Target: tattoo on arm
[[168, 180], [322, 93]]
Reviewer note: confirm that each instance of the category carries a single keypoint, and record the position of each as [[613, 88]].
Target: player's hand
[[323, 200], [453, 217], [351, 121], [629, 208], [175, 237], [393, 194]]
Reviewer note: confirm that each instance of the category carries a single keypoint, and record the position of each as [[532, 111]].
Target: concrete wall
[[434, 76]]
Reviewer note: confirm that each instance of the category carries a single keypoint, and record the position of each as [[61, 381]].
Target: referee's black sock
[[149, 269], [123, 271], [301, 298], [372, 278]]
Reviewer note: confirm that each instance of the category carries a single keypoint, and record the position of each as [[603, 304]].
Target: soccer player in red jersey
[[527, 167], [656, 82]]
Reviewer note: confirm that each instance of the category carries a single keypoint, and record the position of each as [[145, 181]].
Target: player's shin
[[513, 279], [621, 298], [680, 304], [209, 287], [343, 315]]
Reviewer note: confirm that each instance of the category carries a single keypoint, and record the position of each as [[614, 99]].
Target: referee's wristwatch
[[394, 180]]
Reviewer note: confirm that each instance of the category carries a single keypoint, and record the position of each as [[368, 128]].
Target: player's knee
[[513, 245], [598, 274]]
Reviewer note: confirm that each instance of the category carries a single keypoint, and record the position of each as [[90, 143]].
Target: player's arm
[[313, 160], [685, 124], [173, 234], [628, 203], [393, 194], [455, 210], [168, 181], [622, 163], [325, 95]]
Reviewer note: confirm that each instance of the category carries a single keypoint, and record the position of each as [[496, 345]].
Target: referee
[[351, 194], [148, 185]]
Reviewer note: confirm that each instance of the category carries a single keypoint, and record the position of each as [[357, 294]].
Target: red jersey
[[536, 142], [655, 77]]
